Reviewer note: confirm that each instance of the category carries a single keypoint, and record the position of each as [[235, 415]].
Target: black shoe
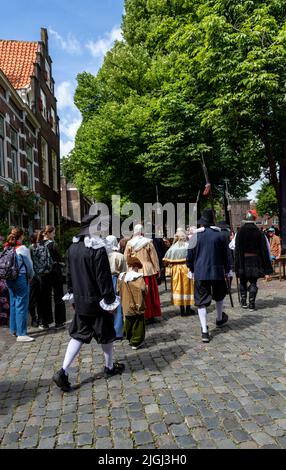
[[61, 379], [116, 369], [243, 302], [251, 306], [34, 324], [206, 337], [223, 320], [58, 326], [44, 327], [189, 312]]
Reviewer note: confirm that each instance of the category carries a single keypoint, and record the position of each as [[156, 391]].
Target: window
[[30, 166], [51, 214], [55, 171], [45, 161], [2, 160], [53, 120], [47, 73], [43, 212], [14, 155], [43, 105]]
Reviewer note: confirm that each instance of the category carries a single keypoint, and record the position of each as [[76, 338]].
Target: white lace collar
[[130, 276], [91, 242]]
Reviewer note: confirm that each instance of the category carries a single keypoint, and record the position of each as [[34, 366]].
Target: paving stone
[[262, 439], [179, 429], [226, 444], [166, 442], [185, 442], [158, 428], [63, 439], [102, 431], [47, 443], [84, 439], [104, 443], [143, 438], [173, 419], [139, 425]]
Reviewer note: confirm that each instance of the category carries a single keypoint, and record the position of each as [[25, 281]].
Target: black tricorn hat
[[207, 218]]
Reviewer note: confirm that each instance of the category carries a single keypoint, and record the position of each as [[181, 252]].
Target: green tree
[[191, 78], [267, 202]]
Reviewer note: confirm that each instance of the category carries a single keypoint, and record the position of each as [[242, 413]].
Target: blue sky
[[80, 33]]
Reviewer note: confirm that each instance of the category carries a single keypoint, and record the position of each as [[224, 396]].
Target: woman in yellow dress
[[182, 288]]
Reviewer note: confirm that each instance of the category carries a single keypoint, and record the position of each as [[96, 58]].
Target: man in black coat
[[252, 259], [89, 280], [209, 264]]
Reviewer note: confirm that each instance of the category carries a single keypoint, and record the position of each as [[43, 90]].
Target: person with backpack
[[47, 261], [16, 268]]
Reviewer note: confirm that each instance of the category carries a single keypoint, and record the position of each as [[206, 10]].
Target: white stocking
[[219, 309], [108, 350], [203, 318], [71, 352]]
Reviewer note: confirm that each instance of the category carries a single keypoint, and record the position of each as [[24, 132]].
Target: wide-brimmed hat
[[85, 225], [207, 218]]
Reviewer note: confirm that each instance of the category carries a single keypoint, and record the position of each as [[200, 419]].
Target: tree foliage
[[267, 202], [190, 78]]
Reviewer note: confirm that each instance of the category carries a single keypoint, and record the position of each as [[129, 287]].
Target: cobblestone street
[[176, 392]]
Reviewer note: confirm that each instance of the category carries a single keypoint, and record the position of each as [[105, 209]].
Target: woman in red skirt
[[144, 250]]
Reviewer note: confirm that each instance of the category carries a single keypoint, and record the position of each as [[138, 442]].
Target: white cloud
[[65, 94], [100, 47], [70, 45], [69, 128], [66, 147]]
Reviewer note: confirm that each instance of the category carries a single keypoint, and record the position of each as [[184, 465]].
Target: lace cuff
[[110, 307]]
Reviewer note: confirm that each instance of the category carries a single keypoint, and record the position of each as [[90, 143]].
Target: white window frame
[[30, 166], [44, 105], [45, 161], [55, 170], [54, 118]]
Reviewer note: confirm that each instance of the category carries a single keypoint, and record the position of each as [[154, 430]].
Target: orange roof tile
[[17, 60]]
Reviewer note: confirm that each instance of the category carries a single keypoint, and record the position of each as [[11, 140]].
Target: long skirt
[[152, 300], [4, 304], [182, 288], [118, 317]]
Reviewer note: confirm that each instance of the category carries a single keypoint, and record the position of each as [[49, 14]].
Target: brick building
[[29, 124], [74, 204]]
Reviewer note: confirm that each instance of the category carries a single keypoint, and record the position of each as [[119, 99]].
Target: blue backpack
[[9, 268]]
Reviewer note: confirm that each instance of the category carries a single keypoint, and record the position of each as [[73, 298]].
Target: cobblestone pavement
[[175, 393]]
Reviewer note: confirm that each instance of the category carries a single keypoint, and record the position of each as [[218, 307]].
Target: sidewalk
[[175, 393]]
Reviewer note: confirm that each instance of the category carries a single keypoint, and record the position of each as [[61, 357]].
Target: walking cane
[[229, 290], [238, 289]]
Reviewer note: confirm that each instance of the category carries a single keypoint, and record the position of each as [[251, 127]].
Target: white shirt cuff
[[110, 307]]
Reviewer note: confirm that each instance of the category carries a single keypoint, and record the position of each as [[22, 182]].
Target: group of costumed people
[[200, 269]]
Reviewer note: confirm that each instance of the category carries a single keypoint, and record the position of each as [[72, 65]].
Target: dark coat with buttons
[[208, 255], [89, 278]]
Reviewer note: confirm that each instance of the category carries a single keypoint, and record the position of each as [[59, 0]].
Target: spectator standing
[[19, 288]]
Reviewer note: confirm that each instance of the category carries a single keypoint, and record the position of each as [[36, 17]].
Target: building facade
[[74, 205], [29, 125]]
